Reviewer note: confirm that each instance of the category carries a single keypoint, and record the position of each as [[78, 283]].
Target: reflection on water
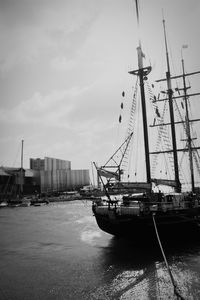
[[140, 273], [89, 236], [58, 252], [132, 272]]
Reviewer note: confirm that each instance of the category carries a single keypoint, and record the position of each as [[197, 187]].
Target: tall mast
[[187, 121], [142, 73], [21, 170], [171, 110]]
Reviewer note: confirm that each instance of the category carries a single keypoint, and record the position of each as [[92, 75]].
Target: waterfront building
[[14, 181], [56, 175], [44, 176]]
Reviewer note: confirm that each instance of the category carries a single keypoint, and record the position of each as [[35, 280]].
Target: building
[[16, 181], [36, 164], [45, 175], [56, 175]]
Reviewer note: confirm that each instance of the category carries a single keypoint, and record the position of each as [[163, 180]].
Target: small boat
[[39, 202], [3, 204], [26, 201], [130, 207]]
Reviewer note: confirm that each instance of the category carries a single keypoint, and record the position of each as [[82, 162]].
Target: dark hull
[[141, 229]]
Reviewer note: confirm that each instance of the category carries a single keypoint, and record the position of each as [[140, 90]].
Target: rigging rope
[[195, 154], [176, 292], [126, 162], [196, 157], [182, 170], [163, 137], [119, 121]]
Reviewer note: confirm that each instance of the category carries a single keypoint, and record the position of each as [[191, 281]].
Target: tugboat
[[131, 208]]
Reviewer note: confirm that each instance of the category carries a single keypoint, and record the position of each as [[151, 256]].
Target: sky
[[65, 63]]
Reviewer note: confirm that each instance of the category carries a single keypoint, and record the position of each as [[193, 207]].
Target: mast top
[[138, 22], [166, 46]]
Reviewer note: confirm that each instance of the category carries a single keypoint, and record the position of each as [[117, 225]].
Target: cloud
[[49, 110], [63, 66], [61, 63], [34, 28], [67, 124]]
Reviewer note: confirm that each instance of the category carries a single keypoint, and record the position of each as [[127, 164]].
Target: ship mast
[[171, 110], [21, 170], [142, 72], [187, 122], [190, 147]]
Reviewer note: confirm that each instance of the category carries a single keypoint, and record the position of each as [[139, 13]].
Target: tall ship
[[132, 207]]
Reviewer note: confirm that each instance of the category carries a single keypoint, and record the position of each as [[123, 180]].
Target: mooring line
[[176, 292]]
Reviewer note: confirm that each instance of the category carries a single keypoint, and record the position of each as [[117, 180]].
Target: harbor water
[[57, 252]]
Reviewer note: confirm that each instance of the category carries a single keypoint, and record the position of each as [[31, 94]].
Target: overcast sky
[[64, 64]]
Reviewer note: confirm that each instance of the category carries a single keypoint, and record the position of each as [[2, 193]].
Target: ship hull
[[142, 229]]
